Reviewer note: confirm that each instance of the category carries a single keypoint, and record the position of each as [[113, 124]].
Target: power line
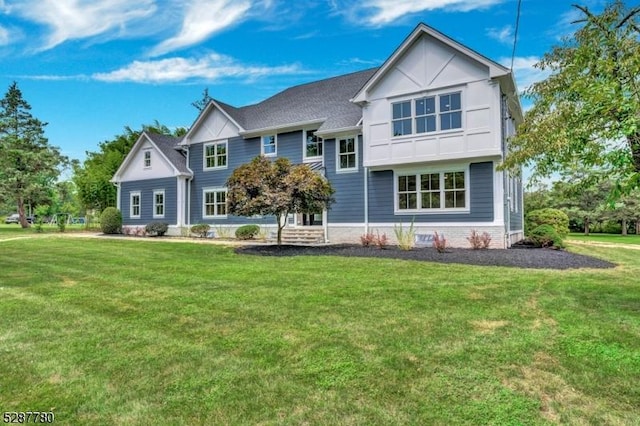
[[515, 35]]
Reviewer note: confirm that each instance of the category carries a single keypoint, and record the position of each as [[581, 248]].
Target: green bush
[[156, 229], [111, 221], [200, 229], [546, 236], [554, 217], [611, 227], [247, 232]]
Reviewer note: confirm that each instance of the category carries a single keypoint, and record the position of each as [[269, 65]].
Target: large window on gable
[[347, 154], [158, 203], [428, 114], [432, 191], [312, 145], [215, 155], [134, 205], [269, 145], [214, 203]]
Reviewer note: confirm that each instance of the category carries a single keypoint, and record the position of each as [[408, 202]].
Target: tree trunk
[[637, 226], [624, 226], [21, 213], [634, 144], [280, 226], [586, 227]]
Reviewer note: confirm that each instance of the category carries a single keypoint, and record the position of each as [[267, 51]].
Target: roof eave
[[338, 131], [281, 128]]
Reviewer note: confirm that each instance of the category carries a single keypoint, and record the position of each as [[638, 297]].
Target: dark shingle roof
[[325, 100], [169, 147]]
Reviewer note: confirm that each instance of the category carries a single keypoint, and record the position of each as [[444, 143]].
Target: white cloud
[[4, 36], [212, 68], [202, 18], [503, 35], [525, 71], [383, 12], [77, 19]]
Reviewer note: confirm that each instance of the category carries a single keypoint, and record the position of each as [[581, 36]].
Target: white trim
[[373, 225], [275, 144], [356, 152], [204, 199], [224, 142], [131, 195], [155, 204], [334, 133], [320, 143], [441, 170], [201, 118]]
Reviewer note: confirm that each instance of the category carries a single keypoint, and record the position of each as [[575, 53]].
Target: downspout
[[505, 182], [366, 200]]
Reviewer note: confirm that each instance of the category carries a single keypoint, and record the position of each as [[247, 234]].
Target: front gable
[[144, 161], [213, 124], [425, 65]]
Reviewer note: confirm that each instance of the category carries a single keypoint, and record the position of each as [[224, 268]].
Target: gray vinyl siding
[[348, 186], [381, 198], [239, 151], [146, 188]]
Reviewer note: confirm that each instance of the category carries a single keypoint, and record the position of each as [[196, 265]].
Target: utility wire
[[515, 35]]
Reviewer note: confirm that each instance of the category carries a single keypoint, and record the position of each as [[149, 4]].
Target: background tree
[[28, 164], [265, 187], [92, 177], [201, 104], [588, 110]]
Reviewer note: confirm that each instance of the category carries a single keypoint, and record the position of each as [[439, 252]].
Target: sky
[[89, 68]]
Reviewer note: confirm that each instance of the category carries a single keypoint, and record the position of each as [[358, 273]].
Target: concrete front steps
[[302, 235]]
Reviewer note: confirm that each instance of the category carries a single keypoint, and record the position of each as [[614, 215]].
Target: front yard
[[128, 332]]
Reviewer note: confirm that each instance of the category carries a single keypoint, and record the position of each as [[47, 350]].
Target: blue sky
[[91, 67]]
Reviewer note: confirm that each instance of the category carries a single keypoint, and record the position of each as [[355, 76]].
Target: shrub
[[439, 242], [111, 221], [247, 232], [611, 227], [382, 241], [157, 229], [479, 241], [223, 232], [367, 239], [200, 229], [406, 238], [62, 224], [554, 217], [546, 236]]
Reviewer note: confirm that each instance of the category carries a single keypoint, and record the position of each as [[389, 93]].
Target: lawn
[[108, 331], [606, 238]]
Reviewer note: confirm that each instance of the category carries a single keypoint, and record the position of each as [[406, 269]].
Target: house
[[416, 140]]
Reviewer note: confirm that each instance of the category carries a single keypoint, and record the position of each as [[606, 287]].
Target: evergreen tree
[[29, 166]]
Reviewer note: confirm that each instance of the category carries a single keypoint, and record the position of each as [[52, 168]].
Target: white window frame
[[319, 143], [147, 159], [436, 95], [216, 166], [275, 145], [338, 154], [131, 205], [216, 215], [156, 204], [431, 170]]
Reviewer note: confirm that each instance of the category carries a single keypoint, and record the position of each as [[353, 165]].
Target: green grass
[[133, 332], [606, 238]]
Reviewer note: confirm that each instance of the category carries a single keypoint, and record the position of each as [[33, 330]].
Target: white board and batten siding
[[214, 126], [430, 67]]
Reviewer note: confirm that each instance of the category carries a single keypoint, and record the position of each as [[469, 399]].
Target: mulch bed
[[520, 258]]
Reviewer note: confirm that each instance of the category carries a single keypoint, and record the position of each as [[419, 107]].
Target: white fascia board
[[280, 128], [495, 69], [336, 132]]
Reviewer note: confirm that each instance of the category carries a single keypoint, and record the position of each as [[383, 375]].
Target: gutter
[[281, 128]]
